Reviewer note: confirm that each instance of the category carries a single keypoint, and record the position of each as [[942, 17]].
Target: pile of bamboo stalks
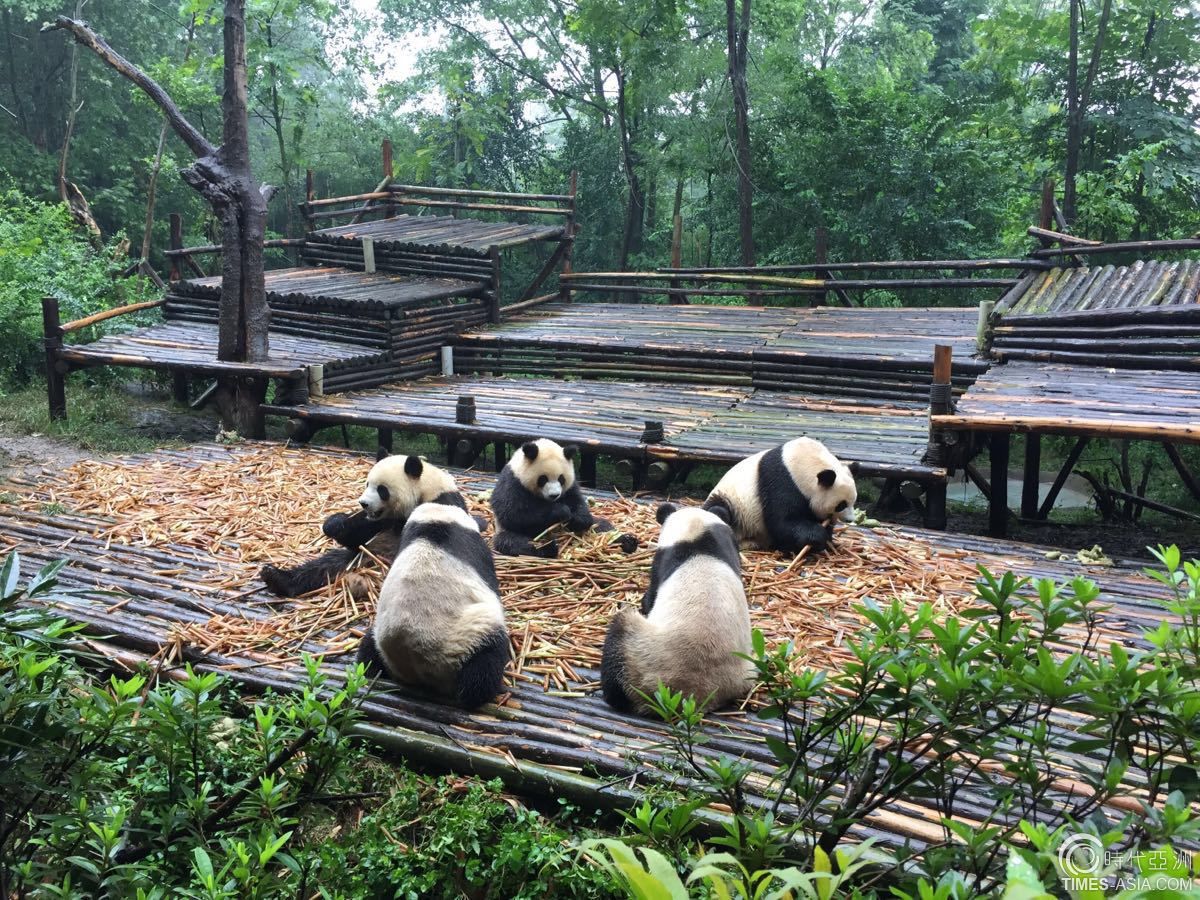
[[264, 504]]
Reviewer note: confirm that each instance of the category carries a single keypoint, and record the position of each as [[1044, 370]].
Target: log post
[[494, 299], [1032, 476], [368, 250], [179, 386], [998, 506], [564, 288], [676, 258], [56, 387], [389, 208], [1046, 213], [820, 255], [386, 440], [983, 328], [176, 243], [310, 194], [941, 402], [587, 469]]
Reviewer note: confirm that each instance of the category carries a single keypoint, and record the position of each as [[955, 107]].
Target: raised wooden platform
[[708, 423], [437, 234], [192, 596], [192, 347], [1089, 401]]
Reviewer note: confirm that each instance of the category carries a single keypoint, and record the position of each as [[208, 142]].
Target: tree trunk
[[1074, 116], [222, 176], [635, 209], [737, 24]]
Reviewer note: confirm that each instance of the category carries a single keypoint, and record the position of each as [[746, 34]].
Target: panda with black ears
[[786, 498], [396, 485], [693, 623], [439, 623], [536, 490]]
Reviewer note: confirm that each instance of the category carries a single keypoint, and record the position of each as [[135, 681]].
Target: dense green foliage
[[112, 784], [961, 711], [42, 253], [909, 128]]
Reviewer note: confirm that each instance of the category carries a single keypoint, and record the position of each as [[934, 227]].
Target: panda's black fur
[[354, 530], [766, 506], [439, 614], [521, 510]]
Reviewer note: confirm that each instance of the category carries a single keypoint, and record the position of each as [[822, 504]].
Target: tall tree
[[737, 31], [1074, 114], [221, 175]]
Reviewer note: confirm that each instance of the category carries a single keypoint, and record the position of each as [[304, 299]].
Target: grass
[[99, 419]]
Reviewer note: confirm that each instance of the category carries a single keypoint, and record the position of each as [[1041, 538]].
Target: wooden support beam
[[587, 469], [935, 505], [56, 388], [549, 266], [998, 505], [978, 480], [1061, 478], [677, 299], [386, 440], [1032, 476], [179, 386], [1046, 211], [570, 230], [389, 208], [176, 243], [494, 298]]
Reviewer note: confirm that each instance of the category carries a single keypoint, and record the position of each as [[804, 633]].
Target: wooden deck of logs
[[699, 422], [553, 736]]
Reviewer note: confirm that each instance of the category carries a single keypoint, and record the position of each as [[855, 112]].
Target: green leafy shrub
[[42, 253], [123, 787], [945, 707]]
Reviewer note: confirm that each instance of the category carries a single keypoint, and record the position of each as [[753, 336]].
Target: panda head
[[823, 478], [544, 468], [685, 524], [396, 485]]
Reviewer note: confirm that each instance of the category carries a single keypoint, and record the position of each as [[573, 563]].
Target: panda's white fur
[[693, 621], [392, 492], [781, 498], [439, 622]]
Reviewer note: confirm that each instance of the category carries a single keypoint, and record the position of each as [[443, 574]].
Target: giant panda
[[785, 498], [535, 490], [396, 485], [439, 623], [693, 618]]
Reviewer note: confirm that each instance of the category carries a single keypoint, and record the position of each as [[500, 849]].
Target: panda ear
[[570, 450], [413, 467], [664, 510], [826, 478], [721, 513], [530, 449], [381, 453], [853, 467]]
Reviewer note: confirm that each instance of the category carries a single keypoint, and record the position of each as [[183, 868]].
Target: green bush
[[41, 252]]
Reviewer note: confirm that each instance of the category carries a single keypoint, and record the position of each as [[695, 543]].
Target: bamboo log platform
[[701, 422], [192, 347], [438, 234], [1142, 315], [866, 354], [181, 534], [333, 287], [1087, 401]]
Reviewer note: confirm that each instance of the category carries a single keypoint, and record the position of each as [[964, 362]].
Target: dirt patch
[[28, 453]]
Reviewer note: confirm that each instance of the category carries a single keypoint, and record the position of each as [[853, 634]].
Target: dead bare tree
[[222, 176]]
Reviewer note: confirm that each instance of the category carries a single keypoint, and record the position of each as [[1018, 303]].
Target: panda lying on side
[[785, 498], [439, 623], [396, 485], [693, 619], [536, 490]]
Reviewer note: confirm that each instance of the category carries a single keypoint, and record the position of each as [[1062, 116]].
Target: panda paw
[[628, 543], [336, 526], [276, 580], [602, 525], [547, 551]]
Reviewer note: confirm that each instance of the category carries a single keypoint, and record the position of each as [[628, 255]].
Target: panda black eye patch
[[841, 506], [383, 493], [542, 479], [562, 479]]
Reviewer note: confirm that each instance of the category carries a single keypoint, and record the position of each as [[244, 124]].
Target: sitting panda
[[536, 490], [693, 619], [396, 485], [785, 498], [439, 624]]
